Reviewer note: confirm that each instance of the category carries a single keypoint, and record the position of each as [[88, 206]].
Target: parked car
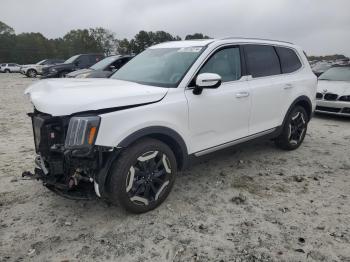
[[320, 68], [103, 69], [333, 91], [10, 68], [129, 135], [32, 70], [74, 63]]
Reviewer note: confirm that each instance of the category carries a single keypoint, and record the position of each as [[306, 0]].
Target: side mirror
[[112, 68], [206, 80]]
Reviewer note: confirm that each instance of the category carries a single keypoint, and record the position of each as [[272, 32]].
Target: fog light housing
[[82, 131]]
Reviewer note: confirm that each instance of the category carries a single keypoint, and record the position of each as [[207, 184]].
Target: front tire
[[143, 176], [294, 129], [7, 71], [62, 74], [31, 73]]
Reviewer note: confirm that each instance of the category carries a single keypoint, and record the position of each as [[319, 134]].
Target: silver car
[[333, 91], [10, 68]]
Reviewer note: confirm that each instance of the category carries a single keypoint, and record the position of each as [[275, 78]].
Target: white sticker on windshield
[[192, 49]]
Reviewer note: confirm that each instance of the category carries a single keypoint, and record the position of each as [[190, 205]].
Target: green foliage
[[28, 48], [197, 36], [143, 40], [105, 40], [5, 29]]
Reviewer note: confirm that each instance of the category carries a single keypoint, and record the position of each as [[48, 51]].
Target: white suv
[[10, 68], [127, 137]]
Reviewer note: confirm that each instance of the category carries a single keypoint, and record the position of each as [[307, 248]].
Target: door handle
[[242, 94], [288, 86]]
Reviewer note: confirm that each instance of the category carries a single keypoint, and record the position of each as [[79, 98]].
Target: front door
[[221, 115]]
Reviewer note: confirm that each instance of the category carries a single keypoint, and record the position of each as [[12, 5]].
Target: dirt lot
[[250, 203]]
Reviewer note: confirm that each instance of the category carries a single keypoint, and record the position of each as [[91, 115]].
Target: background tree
[[105, 39], [5, 29], [143, 40], [197, 36]]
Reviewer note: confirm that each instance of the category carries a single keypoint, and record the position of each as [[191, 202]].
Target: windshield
[[104, 62], [71, 60], [336, 74], [163, 67], [321, 67], [40, 62]]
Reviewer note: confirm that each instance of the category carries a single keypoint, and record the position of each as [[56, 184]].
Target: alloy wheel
[[148, 177], [297, 128]]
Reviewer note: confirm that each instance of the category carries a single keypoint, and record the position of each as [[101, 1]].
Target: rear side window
[[84, 60], [94, 59], [226, 63], [289, 60], [262, 60]]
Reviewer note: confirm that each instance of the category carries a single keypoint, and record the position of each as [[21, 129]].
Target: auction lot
[[249, 203]]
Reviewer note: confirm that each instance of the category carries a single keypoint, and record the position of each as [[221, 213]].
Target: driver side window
[[226, 63]]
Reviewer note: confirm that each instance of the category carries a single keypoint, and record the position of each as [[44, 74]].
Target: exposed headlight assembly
[[83, 75], [82, 131]]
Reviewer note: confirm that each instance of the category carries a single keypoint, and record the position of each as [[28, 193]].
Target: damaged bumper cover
[[68, 162]]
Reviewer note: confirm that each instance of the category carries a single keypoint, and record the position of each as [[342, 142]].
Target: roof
[[184, 43], [204, 42]]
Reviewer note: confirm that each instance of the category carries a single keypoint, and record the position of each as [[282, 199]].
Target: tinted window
[[12, 64], [226, 63], [289, 60], [94, 59], [262, 60], [84, 60]]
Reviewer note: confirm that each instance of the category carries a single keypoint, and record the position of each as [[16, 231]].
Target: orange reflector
[[92, 135]]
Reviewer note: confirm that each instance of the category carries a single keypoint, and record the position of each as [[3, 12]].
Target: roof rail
[[247, 38]]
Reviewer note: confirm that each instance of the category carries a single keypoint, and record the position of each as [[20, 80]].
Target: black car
[[74, 63], [103, 69]]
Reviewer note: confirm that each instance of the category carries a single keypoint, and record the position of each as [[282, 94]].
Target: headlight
[[83, 75], [82, 131], [53, 70]]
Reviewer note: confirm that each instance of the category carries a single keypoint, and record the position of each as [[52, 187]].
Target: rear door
[[267, 91]]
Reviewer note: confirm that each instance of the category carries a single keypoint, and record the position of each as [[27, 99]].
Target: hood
[[62, 66], [78, 72], [67, 96], [336, 87], [29, 65]]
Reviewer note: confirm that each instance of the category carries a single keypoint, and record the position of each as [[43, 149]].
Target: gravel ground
[[250, 203]]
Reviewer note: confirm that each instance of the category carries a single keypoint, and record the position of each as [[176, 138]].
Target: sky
[[320, 26]]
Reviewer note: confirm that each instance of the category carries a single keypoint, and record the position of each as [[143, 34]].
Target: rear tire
[[294, 129], [142, 176], [31, 73], [62, 74]]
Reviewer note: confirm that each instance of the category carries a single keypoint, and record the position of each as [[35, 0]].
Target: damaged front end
[[67, 160]]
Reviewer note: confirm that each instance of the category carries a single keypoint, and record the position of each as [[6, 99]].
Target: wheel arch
[[167, 135], [302, 101]]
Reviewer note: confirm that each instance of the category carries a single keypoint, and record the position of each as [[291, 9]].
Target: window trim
[[279, 75], [295, 52], [279, 62], [213, 52]]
